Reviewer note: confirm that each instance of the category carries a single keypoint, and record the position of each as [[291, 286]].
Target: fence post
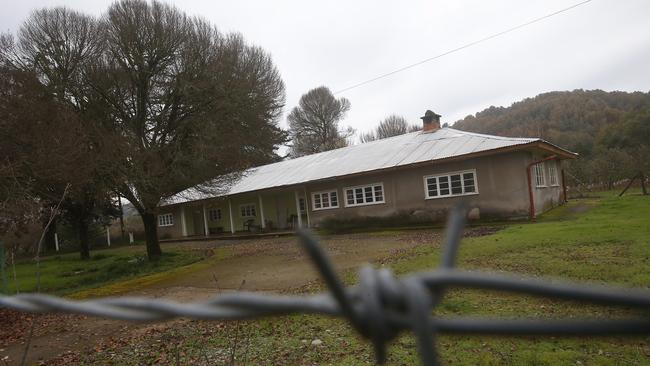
[[108, 235], [642, 178], [5, 284], [56, 241], [130, 237]]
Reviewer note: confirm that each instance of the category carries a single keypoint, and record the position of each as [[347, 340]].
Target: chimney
[[430, 121]]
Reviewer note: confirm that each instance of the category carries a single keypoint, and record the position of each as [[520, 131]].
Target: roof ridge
[[339, 148], [495, 137]]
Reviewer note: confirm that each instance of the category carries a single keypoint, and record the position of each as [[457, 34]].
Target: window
[[214, 214], [552, 173], [325, 200], [540, 180], [364, 195], [301, 204], [165, 219], [450, 184], [247, 210]]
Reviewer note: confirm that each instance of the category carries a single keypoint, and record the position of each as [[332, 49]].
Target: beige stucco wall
[[501, 182]]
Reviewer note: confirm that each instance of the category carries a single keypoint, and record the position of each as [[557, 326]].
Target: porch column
[[183, 224], [307, 200], [232, 225], [205, 221], [298, 209], [263, 223]]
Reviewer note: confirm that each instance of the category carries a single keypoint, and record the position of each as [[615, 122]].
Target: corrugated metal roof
[[391, 152]]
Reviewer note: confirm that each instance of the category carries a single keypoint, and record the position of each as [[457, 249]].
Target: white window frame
[[329, 199], [552, 174], [540, 176], [363, 187], [215, 217], [166, 219], [448, 175], [248, 212]]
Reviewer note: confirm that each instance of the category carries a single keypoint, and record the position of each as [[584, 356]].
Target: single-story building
[[422, 173]]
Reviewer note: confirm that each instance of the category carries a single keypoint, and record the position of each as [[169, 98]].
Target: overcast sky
[[604, 44]]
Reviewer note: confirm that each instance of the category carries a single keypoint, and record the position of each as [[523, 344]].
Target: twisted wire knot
[[387, 305]]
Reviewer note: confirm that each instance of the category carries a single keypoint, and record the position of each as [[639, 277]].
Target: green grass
[[597, 240], [66, 274]]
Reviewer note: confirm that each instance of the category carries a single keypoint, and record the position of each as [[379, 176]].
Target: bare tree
[[58, 46], [392, 125], [189, 103], [314, 123], [59, 43], [167, 101], [42, 145]]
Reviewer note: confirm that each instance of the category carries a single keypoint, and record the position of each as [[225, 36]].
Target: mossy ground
[[596, 240], [117, 270]]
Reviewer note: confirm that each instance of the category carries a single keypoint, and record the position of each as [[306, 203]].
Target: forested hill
[[571, 119]]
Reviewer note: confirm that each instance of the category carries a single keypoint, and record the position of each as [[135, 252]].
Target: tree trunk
[[84, 246], [151, 233], [50, 244], [119, 202]]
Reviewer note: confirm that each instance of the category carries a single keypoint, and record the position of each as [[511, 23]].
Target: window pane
[[368, 194], [552, 174], [456, 185], [350, 196], [539, 175], [432, 186], [379, 194], [359, 195], [443, 186], [468, 182], [334, 199]]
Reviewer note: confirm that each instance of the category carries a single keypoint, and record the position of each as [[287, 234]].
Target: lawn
[[596, 240], [67, 274]]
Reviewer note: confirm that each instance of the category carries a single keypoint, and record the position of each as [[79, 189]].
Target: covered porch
[[230, 236], [274, 212]]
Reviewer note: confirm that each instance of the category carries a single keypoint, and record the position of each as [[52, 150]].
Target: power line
[[467, 45]]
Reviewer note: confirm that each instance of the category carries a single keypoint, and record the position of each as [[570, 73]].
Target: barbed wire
[[380, 306]]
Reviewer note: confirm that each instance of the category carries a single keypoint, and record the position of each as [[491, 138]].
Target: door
[[197, 218], [281, 207]]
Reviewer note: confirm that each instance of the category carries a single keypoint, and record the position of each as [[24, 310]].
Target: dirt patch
[[580, 208], [276, 265], [475, 232]]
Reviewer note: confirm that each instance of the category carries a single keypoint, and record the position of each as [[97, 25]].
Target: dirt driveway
[[268, 264]]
